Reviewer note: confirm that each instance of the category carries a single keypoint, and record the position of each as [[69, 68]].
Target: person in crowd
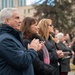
[[73, 48], [71, 35], [68, 43], [14, 58], [56, 31], [73, 44], [46, 31], [67, 39], [65, 61], [30, 30]]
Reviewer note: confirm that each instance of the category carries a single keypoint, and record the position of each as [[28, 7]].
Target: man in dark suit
[[14, 58]]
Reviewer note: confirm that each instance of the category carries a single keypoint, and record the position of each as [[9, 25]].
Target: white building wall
[[0, 4], [23, 10]]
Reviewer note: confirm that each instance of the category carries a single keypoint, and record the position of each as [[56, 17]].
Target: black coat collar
[[7, 29]]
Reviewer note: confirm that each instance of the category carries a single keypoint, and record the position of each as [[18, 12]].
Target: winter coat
[[14, 58], [40, 67], [73, 46], [50, 44], [65, 63]]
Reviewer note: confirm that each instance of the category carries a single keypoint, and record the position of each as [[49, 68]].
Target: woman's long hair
[[43, 28], [25, 26]]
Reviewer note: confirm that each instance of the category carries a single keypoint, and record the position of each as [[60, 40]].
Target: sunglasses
[[50, 25]]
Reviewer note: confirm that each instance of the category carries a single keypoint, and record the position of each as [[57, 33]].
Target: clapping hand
[[36, 44]]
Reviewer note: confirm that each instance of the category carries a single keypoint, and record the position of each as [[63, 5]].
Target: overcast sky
[[30, 2]]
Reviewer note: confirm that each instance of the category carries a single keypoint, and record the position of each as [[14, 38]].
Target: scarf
[[46, 55]]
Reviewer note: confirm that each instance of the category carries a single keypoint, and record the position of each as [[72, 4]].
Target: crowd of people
[[29, 47]]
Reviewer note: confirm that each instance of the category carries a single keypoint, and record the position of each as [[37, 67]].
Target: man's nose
[[20, 21]]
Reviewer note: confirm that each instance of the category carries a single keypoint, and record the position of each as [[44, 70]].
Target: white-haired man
[[14, 58], [65, 61]]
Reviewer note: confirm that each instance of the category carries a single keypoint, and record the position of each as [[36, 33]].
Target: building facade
[[21, 5], [25, 11], [12, 3]]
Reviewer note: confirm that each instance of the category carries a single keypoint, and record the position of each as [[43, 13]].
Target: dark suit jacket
[[65, 63]]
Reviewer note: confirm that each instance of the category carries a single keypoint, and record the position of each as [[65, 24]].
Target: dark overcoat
[[65, 62], [14, 58], [50, 44], [39, 66]]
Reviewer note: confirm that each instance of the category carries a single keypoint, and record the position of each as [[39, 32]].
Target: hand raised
[[35, 44], [59, 53]]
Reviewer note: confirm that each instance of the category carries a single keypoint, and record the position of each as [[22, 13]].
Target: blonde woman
[[46, 30]]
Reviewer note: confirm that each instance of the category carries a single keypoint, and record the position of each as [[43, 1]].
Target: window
[[7, 3], [3, 3], [19, 2], [28, 10], [24, 11], [11, 3], [23, 2], [0, 4]]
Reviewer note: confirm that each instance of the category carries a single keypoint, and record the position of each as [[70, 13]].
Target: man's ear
[[7, 20]]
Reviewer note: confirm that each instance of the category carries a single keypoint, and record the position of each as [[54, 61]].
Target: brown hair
[[25, 26], [43, 28]]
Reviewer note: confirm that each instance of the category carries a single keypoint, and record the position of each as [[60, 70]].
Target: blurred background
[[62, 13]]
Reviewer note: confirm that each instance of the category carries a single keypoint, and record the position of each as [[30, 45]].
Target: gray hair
[[6, 13], [59, 35]]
